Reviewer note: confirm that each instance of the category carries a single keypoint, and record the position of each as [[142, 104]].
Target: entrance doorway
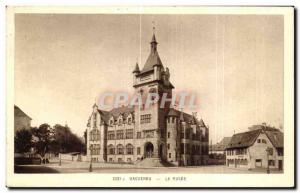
[[149, 150], [160, 151]]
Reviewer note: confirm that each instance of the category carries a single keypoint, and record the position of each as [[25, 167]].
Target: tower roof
[[136, 69], [153, 58], [153, 39]]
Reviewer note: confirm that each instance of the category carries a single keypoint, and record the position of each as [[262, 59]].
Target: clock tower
[[151, 119]]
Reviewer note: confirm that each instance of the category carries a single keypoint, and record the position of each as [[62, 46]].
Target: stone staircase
[[153, 162]]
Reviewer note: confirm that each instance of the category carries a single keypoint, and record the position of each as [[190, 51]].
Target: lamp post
[[59, 159], [91, 166], [268, 150]]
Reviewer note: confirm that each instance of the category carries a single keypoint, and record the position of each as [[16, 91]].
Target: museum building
[[135, 134]]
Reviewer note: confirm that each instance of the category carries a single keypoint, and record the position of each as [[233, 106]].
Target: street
[[83, 167]]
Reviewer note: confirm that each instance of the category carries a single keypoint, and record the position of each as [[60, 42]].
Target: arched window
[[111, 150], [120, 149], [129, 149]]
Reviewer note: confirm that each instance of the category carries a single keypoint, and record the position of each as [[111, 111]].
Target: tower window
[[145, 118], [168, 134]]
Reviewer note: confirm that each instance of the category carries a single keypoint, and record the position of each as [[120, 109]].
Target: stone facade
[[133, 133]]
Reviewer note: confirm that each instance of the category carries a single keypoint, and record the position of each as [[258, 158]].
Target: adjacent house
[[260, 147], [220, 147], [21, 119]]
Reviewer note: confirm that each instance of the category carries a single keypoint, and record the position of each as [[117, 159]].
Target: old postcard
[[150, 97]]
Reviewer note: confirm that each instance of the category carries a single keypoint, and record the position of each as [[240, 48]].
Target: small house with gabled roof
[[260, 147]]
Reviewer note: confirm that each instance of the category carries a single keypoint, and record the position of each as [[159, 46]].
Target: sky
[[234, 63]]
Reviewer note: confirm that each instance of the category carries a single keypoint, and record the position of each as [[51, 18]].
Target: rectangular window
[[263, 141], [138, 151], [129, 160], [111, 135], [182, 148], [129, 134], [147, 77], [168, 134], [182, 135], [138, 135], [110, 159], [258, 141], [187, 133], [168, 146], [120, 134], [120, 160], [170, 155], [271, 163], [145, 118], [188, 149]]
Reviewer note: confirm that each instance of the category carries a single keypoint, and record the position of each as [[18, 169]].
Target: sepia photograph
[[150, 97]]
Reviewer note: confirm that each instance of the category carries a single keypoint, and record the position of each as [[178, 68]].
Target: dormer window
[[120, 121], [129, 120]]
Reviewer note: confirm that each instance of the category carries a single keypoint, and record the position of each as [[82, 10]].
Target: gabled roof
[[185, 117], [115, 112], [19, 113], [276, 138], [247, 139], [221, 146]]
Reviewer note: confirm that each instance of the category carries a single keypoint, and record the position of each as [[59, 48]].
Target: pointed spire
[[95, 104], [153, 44], [136, 69], [153, 38]]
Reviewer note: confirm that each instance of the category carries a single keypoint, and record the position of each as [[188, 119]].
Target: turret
[[135, 72]]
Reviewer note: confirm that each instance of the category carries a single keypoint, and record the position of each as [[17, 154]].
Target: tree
[[85, 140], [43, 138], [65, 141], [23, 141]]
